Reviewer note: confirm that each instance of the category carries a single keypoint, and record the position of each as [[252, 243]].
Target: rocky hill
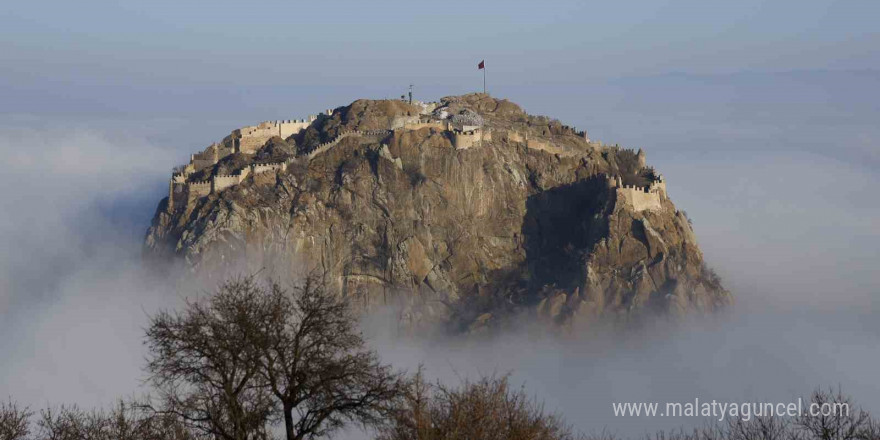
[[468, 210]]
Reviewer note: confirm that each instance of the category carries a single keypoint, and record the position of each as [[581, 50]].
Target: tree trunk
[[288, 422]]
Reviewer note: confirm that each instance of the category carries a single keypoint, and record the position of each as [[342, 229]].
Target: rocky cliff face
[[532, 219]]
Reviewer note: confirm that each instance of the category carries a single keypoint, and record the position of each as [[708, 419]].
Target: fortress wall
[[463, 140], [403, 121], [536, 144], [638, 198], [289, 128], [177, 196], [659, 187], [427, 124], [251, 143], [267, 167], [199, 189], [222, 182], [200, 164], [204, 159], [328, 145], [252, 137]]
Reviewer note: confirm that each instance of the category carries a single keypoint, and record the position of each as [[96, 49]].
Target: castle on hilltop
[[465, 131]]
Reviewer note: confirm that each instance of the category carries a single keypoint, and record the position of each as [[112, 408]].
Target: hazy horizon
[[761, 115]]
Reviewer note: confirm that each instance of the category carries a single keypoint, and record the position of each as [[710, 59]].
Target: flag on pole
[[482, 66]]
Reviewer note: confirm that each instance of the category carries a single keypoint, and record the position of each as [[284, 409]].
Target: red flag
[[482, 65]]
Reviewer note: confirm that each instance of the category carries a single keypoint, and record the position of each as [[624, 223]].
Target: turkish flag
[[482, 65]]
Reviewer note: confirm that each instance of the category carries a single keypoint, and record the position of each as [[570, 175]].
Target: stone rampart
[[462, 140], [259, 168], [198, 189], [177, 196], [438, 125], [403, 121], [639, 198], [328, 145], [219, 183], [535, 143], [204, 159], [539, 144], [249, 139]]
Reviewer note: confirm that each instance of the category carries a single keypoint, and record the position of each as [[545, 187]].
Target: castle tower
[[170, 207]]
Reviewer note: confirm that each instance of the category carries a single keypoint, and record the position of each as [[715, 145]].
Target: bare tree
[[871, 431], [760, 428], [411, 414], [205, 367], [255, 353], [14, 421], [838, 418], [316, 363], [487, 409], [71, 423], [134, 420]]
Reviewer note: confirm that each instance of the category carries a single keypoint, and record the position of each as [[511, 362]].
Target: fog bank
[[783, 202]]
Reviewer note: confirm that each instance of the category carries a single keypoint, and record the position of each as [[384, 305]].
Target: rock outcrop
[[535, 218]]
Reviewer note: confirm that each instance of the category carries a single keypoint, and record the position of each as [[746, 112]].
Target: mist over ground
[[778, 171]]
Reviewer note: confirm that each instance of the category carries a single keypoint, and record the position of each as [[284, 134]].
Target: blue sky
[[390, 44]]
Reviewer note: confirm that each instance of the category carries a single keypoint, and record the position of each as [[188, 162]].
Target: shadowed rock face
[[467, 237]]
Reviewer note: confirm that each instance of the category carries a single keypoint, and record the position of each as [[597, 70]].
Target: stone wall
[[438, 125], [198, 189], [289, 128], [534, 143], [204, 159], [403, 121], [539, 144], [177, 196], [641, 198], [208, 158], [267, 167], [328, 145], [249, 139], [463, 140], [246, 140]]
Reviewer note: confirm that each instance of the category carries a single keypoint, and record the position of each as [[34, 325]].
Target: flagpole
[[484, 79]]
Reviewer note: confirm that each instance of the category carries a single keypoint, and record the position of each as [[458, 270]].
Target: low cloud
[[793, 233], [74, 297]]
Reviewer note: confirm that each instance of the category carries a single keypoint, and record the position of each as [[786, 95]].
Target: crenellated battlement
[[328, 145], [464, 133], [640, 198], [428, 123], [472, 137]]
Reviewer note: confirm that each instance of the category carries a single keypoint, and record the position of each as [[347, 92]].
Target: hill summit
[[468, 210]]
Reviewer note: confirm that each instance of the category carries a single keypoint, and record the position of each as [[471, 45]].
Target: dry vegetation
[[257, 361]]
